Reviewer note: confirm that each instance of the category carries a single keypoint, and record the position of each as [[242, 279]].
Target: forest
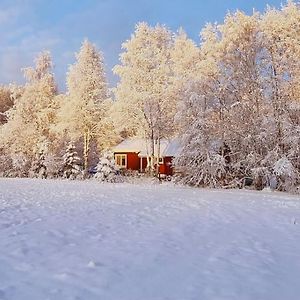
[[233, 99]]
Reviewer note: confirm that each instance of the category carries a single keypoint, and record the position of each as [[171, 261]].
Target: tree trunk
[[276, 104], [157, 160], [86, 150], [152, 153]]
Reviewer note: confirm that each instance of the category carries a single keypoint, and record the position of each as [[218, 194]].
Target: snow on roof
[[170, 147], [173, 148], [130, 145]]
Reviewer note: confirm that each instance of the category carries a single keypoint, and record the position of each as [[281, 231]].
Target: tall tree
[[6, 102], [143, 99], [84, 110], [185, 63], [29, 119], [239, 114], [281, 64]]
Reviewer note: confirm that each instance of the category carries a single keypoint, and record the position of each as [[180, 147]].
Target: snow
[[131, 145], [85, 240], [173, 148], [168, 147]]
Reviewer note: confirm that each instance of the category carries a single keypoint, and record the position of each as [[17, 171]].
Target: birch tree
[[29, 119], [143, 92], [281, 36], [240, 116], [86, 103], [6, 102]]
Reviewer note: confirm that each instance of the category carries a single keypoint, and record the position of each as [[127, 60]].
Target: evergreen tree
[[38, 168], [72, 163], [107, 170]]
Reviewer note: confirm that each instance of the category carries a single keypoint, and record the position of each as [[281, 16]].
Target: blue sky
[[30, 26]]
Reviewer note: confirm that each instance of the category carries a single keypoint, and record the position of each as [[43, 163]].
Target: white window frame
[[121, 156], [160, 160]]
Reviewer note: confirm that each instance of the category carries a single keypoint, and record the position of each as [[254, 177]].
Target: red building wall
[[134, 163], [166, 167]]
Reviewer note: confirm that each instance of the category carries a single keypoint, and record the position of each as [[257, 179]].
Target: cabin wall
[[166, 167], [133, 161]]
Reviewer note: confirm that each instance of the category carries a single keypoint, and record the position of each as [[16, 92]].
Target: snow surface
[[86, 240]]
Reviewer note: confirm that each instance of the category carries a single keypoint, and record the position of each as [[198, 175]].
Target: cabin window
[[121, 160], [160, 160]]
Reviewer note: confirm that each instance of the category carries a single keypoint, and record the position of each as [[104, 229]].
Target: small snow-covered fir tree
[[107, 171], [20, 165], [286, 174], [53, 163], [71, 167], [38, 167]]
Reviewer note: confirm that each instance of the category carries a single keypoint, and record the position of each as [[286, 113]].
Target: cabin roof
[[168, 147]]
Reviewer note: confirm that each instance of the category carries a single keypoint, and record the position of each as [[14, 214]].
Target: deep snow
[[85, 240]]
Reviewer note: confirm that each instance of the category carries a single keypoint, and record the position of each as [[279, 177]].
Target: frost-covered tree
[[38, 168], [280, 29], [241, 107], [71, 163], [286, 174], [29, 119], [106, 169], [185, 59], [84, 110], [6, 102], [143, 96]]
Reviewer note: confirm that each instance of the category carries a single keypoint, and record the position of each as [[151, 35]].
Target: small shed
[[132, 153]]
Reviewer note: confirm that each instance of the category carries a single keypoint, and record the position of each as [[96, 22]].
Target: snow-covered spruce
[[38, 168], [286, 174], [106, 170], [72, 167]]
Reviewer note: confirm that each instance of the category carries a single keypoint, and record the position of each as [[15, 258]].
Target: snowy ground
[[83, 240]]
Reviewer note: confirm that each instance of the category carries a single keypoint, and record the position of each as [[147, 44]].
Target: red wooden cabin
[[132, 154]]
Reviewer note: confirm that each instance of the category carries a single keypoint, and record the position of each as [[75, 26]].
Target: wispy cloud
[[30, 26], [8, 15]]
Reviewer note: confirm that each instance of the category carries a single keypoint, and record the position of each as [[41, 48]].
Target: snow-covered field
[[85, 240]]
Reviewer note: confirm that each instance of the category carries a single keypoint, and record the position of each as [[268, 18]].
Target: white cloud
[[14, 58], [8, 15]]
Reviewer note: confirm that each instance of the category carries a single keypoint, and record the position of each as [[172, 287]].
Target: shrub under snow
[[71, 167], [38, 168], [286, 174], [107, 171]]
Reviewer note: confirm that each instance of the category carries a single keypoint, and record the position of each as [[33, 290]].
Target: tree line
[[233, 99]]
